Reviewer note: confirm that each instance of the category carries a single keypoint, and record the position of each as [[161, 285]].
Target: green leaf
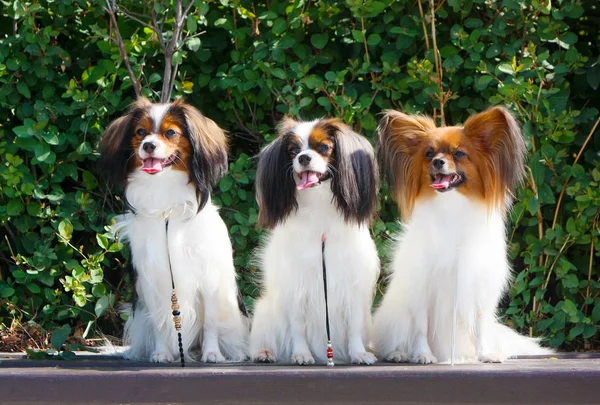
[[286, 42], [99, 290], [596, 312], [193, 44], [191, 24], [576, 331], [226, 183], [6, 292], [176, 58], [313, 81], [102, 241], [279, 73], [101, 306], [569, 38], [359, 36], [14, 207], [23, 89], [279, 26], [373, 39], [569, 307], [59, 336], [493, 50], [34, 288], [65, 229], [43, 153], [23, 131], [593, 76], [506, 68], [319, 40]]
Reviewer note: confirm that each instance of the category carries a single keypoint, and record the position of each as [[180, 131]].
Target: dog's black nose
[[438, 163], [304, 159], [149, 147]]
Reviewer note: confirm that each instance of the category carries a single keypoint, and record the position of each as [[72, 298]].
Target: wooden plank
[[109, 380]]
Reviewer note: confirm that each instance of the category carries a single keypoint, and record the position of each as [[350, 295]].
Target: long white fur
[[289, 317], [201, 261], [446, 234]]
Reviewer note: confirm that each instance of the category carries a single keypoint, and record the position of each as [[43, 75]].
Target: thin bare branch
[[157, 28], [438, 64], [188, 8], [133, 17], [424, 26], [111, 9]]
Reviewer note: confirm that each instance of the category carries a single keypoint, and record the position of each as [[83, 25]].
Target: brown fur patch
[[176, 143], [322, 141]]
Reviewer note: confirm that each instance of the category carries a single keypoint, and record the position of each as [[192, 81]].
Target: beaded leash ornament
[[174, 303], [330, 362]]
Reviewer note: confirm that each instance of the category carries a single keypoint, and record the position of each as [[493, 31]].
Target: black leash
[[174, 304], [329, 347]]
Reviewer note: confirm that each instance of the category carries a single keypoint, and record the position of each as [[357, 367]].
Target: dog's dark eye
[[141, 132], [323, 148], [170, 133], [459, 154], [430, 154], [294, 151]]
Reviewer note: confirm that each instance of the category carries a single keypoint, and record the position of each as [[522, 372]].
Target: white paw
[[363, 358], [423, 358], [492, 358], [263, 356], [161, 357], [212, 357], [302, 359], [397, 357]]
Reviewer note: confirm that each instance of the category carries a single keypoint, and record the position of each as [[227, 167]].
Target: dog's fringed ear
[[496, 134], [399, 138], [115, 146], [208, 161], [275, 185], [355, 175]]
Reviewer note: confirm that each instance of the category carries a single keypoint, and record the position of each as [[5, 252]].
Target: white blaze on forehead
[[157, 114], [303, 130]]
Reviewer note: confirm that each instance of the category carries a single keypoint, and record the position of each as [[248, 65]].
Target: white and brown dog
[[317, 179], [168, 157]]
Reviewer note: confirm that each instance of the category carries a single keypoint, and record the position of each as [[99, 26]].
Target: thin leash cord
[[330, 362], [453, 339], [174, 303]]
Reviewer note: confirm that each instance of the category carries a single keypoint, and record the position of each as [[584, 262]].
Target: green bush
[[62, 80]]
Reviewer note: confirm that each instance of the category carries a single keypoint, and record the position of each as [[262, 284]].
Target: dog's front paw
[[423, 358], [212, 357], [161, 357], [302, 359], [397, 357], [263, 356], [492, 358], [363, 358]]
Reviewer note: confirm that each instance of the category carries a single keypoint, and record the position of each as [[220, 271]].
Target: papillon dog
[[316, 180], [168, 157], [454, 187]]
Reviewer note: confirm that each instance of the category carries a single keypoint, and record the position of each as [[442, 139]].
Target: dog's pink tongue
[[441, 182], [307, 179], [152, 165]]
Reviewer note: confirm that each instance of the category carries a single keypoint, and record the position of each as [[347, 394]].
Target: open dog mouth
[[444, 182], [309, 179], [154, 165]]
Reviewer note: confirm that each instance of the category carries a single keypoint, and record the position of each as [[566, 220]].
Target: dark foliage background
[[62, 80]]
